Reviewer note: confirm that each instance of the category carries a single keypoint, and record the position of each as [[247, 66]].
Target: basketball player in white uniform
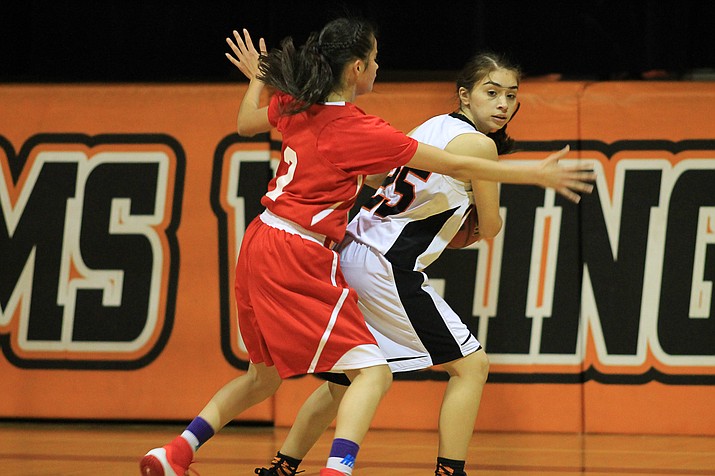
[[403, 228]]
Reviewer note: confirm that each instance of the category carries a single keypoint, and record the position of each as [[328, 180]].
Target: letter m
[[88, 252]]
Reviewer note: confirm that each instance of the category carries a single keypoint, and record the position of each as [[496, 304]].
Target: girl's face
[[368, 73], [492, 101]]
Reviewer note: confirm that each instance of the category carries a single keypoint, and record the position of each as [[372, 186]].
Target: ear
[[464, 96], [358, 66]]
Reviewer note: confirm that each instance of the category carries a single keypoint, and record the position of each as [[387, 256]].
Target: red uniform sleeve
[[275, 106], [375, 145]]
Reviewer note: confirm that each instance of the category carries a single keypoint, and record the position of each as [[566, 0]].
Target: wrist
[[535, 174]]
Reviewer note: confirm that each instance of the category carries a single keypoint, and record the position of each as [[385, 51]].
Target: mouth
[[499, 119]]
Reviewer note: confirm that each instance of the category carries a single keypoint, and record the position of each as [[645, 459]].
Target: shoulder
[[445, 122], [365, 135], [278, 103], [477, 145], [351, 119], [279, 99]]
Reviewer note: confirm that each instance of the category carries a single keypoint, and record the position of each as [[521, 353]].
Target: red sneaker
[[169, 460], [331, 472]]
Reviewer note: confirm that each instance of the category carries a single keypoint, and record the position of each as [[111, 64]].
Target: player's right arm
[[374, 181], [569, 181]]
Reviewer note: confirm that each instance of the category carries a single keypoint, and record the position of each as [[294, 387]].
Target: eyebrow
[[500, 86]]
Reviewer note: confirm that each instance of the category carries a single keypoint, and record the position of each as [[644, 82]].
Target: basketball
[[468, 232]]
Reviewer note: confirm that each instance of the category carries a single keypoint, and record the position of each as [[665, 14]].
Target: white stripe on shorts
[[328, 329]]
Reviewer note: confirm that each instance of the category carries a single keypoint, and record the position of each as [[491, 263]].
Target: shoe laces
[[279, 467], [443, 470]]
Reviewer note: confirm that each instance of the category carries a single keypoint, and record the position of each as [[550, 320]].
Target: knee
[[265, 380], [474, 366], [385, 378], [271, 382], [482, 364], [381, 377], [378, 377]]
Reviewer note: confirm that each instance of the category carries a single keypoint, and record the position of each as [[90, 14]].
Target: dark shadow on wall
[[157, 41]]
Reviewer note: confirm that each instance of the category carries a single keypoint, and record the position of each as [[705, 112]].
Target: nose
[[503, 104]]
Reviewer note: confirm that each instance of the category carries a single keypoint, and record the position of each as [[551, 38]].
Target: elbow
[[490, 229], [245, 131], [248, 125]]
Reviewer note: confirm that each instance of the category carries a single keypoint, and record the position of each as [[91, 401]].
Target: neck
[[337, 97], [346, 94], [471, 119], [466, 114]]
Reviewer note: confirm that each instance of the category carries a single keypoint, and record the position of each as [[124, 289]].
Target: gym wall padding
[[123, 207]]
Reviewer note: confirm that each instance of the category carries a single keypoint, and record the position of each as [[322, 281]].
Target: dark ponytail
[[310, 73]]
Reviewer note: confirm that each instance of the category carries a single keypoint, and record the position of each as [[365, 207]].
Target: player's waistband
[[271, 219]]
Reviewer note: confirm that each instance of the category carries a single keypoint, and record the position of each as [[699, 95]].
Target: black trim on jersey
[[415, 238], [404, 359], [425, 317], [464, 118], [336, 378]]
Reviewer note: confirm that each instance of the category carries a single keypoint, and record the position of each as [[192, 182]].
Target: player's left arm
[[252, 117], [486, 194]]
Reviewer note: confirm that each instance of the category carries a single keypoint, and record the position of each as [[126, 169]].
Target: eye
[[491, 92], [511, 96]]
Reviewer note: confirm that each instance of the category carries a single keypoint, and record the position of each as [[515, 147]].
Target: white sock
[[191, 439]]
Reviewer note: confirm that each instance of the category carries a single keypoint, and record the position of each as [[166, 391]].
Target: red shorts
[[295, 309]]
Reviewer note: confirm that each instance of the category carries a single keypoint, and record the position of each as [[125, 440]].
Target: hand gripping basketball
[[469, 231]]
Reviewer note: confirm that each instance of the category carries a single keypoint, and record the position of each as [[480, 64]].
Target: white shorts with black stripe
[[413, 325]]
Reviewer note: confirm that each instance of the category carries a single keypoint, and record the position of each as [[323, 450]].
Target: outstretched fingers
[[569, 194], [245, 56], [581, 178], [567, 180], [249, 42], [238, 57], [262, 47], [580, 187], [576, 180]]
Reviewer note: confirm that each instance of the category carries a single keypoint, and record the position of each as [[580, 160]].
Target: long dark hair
[[311, 72], [476, 69]]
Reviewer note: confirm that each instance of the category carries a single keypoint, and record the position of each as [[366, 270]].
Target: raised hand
[[569, 180], [245, 56]]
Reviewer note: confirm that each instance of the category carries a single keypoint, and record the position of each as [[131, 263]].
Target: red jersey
[[327, 152]]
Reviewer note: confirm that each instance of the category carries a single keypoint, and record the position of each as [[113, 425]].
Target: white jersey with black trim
[[414, 214]]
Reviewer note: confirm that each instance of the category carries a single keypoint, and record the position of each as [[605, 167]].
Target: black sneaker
[[443, 470], [279, 467]]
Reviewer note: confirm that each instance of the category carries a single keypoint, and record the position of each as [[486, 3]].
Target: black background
[[184, 41]]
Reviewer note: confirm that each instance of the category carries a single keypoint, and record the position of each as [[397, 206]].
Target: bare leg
[[241, 393], [360, 402], [314, 417], [460, 404], [259, 383]]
